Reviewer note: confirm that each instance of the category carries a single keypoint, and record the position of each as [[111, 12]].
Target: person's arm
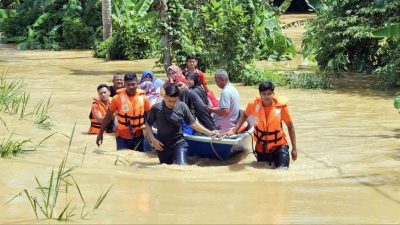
[[96, 113], [157, 145], [198, 127], [224, 108], [239, 124], [203, 81], [107, 119], [219, 111], [292, 135], [189, 119], [98, 117], [206, 88]]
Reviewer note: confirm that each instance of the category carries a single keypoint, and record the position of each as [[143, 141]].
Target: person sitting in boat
[[191, 62], [152, 93], [169, 115], [152, 86], [99, 109], [148, 75], [195, 104], [172, 73], [194, 84], [269, 111], [226, 114]]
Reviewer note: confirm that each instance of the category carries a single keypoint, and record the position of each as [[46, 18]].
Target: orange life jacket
[[94, 124], [131, 114], [269, 134]]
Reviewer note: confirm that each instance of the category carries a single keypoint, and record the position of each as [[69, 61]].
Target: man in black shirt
[[169, 116], [118, 82]]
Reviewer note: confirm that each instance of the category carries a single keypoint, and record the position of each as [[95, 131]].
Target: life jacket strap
[[95, 125]]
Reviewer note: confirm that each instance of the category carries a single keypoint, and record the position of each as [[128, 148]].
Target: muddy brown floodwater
[[347, 169]]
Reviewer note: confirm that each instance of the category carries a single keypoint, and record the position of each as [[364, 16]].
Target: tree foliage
[[53, 24], [229, 34], [341, 38]]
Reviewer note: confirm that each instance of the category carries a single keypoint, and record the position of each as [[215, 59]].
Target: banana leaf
[[317, 5], [397, 102], [388, 31]]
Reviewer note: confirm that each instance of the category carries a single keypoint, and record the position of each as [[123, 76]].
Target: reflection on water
[[347, 170]]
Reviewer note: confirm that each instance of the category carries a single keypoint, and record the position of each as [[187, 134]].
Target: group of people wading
[[184, 104]]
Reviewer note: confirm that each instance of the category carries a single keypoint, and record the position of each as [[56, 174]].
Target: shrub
[[308, 80], [341, 36], [76, 34], [101, 48], [254, 76]]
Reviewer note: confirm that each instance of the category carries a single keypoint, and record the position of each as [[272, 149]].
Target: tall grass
[[14, 100], [59, 185], [11, 93], [41, 113], [9, 146]]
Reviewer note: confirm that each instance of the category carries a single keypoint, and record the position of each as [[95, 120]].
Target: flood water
[[348, 167]]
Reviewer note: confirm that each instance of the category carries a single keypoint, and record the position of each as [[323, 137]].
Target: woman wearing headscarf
[[152, 93], [148, 75], [194, 84], [172, 73]]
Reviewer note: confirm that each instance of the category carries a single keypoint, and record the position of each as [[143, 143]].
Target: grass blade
[[37, 146], [79, 190], [15, 196], [32, 203], [101, 198], [64, 210]]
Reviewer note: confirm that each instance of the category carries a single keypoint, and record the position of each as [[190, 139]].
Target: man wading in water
[[269, 111], [130, 104], [169, 116]]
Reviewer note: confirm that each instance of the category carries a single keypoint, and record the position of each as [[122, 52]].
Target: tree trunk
[[106, 17], [166, 48]]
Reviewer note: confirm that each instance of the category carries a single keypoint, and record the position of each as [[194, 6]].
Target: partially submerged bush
[[308, 80], [254, 76]]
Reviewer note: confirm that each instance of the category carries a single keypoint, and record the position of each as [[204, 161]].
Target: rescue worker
[[130, 105], [99, 109], [269, 111]]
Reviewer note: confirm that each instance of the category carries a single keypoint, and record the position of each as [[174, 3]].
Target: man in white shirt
[[227, 113]]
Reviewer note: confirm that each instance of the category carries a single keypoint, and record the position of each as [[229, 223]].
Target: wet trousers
[[280, 156], [133, 144], [176, 154]]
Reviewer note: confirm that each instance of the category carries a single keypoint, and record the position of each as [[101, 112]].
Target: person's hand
[[99, 140], [209, 109], [294, 154], [213, 133], [230, 132], [156, 144]]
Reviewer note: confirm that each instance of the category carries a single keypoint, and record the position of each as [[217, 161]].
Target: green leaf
[[143, 6], [7, 13], [397, 102], [388, 31], [41, 19], [317, 5]]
